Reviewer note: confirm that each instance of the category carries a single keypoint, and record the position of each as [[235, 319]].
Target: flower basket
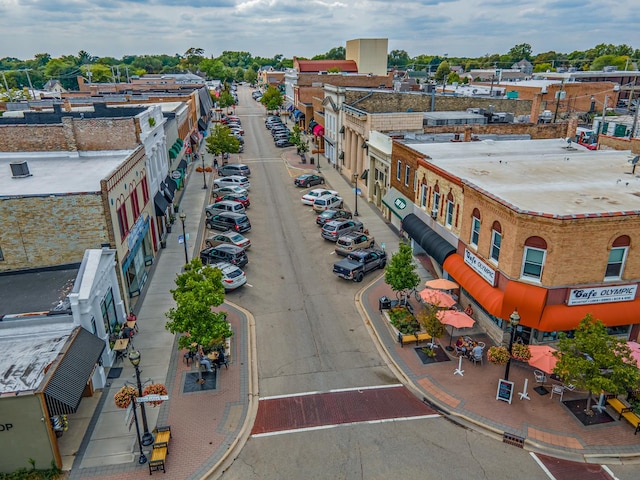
[[155, 389], [199, 169], [498, 355], [208, 169], [520, 351], [123, 397]]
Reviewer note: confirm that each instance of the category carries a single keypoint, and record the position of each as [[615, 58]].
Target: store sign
[[481, 268], [177, 174], [400, 204], [5, 427], [617, 293]]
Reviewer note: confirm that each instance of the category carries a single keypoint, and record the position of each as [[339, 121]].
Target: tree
[[520, 52], [400, 273], [250, 75], [595, 361], [272, 98], [428, 318], [295, 137], [398, 58], [608, 60], [221, 140], [197, 291], [443, 71], [226, 99]]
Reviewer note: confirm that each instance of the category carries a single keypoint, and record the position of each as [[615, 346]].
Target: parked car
[[359, 263], [236, 130], [327, 202], [234, 169], [274, 123], [224, 189], [331, 214], [223, 206], [232, 276], [228, 238], [234, 197], [337, 228], [353, 241], [224, 253], [310, 197], [233, 180], [283, 142], [229, 221], [308, 180], [279, 134]]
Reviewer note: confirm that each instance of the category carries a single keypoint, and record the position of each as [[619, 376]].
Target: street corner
[[296, 165]]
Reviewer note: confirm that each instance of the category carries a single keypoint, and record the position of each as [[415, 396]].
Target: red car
[[234, 197]]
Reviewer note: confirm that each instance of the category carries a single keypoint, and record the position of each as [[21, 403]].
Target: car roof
[[225, 202], [225, 267], [239, 177], [230, 215], [227, 247], [326, 196]]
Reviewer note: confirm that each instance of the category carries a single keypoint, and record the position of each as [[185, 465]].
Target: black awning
[[66, 386], [161, 204], [432, 243], [182, 165], [202, 126], [170, 184]]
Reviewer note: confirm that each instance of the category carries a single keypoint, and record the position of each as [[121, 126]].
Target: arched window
[[496, 240], [436, 201], [448, 220], [475, 227], [535, 251], [123, 221], [617, 258]]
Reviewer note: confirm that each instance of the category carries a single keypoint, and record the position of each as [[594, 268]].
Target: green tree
[[520, 52], [443, 71], [272, 98], [398, 58], [400, 273], [608, 60], [226, 99], [428, 318], [595, 361], [336, 53], [295, 137], [250, 75], [221, 140], [197, 291]]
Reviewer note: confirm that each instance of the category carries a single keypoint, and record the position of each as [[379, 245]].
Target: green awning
[[399, 204]]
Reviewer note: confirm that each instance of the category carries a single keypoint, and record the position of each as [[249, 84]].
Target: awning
[[318, 130], [296, 113], [528, 299], [290, 107], [172, 154], [66, 386], [491, 298], [432, 243], [397, 203], [170, 184], [161, 204], [182, 165], [558, 318], [202, 126], [195, 139]]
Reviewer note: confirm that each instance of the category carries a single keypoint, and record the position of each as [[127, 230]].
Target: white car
[[327, 202], [310, 197], [230, 189], [232, 276], [232, 180]]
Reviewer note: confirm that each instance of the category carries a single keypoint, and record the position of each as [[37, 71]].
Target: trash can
[[384, 303]]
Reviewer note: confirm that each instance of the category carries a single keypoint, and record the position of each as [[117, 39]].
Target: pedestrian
[[215, 163]]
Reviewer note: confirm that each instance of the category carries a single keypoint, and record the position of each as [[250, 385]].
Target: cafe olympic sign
[[617, 293], [481, 268]]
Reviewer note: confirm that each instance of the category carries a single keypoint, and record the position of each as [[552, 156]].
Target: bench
[[417, 337], [625, 411], [163, 434], [158, 457]]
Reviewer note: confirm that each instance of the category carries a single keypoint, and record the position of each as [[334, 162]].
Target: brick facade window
[[423, 196], [1, 255], [398, 170], [407, 172], [475, 228], [449, 211], [617, 258], [535, 252]]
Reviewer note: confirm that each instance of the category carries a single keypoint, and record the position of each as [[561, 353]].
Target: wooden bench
[[158, 457], [417, 337], [163, 434], [625, 411]]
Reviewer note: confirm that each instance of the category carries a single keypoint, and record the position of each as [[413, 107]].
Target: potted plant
[[155, 389], [498, 355], [429, 352], [520, 351], [123, 397]]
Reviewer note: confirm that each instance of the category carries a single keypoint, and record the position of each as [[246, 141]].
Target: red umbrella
[[436, 297], [456, 320], [542, 358], [441, 284]]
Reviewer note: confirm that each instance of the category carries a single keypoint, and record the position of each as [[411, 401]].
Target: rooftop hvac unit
[[19, 169]]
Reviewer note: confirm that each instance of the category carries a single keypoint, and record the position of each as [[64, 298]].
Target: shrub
[[403, 320]]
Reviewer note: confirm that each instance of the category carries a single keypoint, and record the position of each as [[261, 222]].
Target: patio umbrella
[[441, 284], [635, 351], [542, 358], [436, 297], [456, 320]]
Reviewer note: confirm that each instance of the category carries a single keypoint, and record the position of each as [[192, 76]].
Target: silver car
[[232, 277], [337, 228]]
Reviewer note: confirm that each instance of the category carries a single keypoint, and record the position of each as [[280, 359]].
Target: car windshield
[[327, 214], [236, 238]]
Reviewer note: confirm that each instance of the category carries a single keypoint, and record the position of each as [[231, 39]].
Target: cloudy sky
[[305, 28]]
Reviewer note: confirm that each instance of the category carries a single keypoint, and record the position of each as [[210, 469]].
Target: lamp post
[[204, 174], [183, 216], [514, 319], [355, 190], [147, 437], [143, 458], [318, 155]]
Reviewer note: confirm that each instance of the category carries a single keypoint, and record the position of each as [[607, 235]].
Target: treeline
[[242, 66]]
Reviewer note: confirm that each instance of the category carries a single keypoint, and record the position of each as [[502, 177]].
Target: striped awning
[[65, 387]]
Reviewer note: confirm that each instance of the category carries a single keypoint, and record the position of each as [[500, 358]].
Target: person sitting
[[476, 352], [126, 332], [131, 317], [202, 358], [221, 360], [461, 346], [469, 310]]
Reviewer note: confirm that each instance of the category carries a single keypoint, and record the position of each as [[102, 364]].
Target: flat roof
[[543, 177], [58, 172]]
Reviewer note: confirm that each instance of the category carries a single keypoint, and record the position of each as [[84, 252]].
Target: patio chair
[[541, 377], [558, 390], [477, 358]]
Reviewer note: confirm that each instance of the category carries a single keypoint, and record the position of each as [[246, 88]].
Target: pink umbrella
[[441, 284], [635, 351], [456, 320], [436, 297], [542, 358]]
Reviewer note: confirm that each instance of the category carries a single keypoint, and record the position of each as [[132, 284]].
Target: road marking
[[542, 466], [337, 390], [326, 427], [249, 285]]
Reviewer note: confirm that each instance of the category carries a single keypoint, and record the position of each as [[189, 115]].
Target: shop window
[[398, 170], [535, 252], [107, 306], [407, 171], [475, 228], [123, 222], [496, 240], [423, 197], [617, 258]]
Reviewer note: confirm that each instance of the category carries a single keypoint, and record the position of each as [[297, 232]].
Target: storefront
[[399, 207], [140, 256]]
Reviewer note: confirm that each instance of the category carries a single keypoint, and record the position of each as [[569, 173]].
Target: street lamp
[[147, 437], [355, 189], [318, 155], [204, 174], [183, 216], [514, 319], [143, 458]]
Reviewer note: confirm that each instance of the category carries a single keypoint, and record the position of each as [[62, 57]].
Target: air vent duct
[[19, 169]]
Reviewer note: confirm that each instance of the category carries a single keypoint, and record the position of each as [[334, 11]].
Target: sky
[[304, 28]]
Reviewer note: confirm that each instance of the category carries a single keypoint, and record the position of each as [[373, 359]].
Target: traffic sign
[[357, 191], [152, 398]]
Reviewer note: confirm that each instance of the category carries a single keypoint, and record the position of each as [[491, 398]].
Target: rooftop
[[58, 173], [543, 176]]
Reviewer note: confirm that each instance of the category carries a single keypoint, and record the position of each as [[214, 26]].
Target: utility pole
[[604, 111], [6, 86]]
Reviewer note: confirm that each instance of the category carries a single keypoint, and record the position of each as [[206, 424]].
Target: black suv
[[236, 222], [224, 253]]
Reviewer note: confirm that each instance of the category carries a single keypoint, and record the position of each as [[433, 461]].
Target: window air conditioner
[[434, 213]]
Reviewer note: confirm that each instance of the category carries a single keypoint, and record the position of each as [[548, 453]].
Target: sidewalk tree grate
[[512, 439], [192, 383]]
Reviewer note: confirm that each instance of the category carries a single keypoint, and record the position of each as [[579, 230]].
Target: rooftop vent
[[19, 169]]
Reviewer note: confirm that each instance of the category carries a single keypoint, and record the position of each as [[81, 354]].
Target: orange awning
[[528, 299], [489, 297], [562, 318]]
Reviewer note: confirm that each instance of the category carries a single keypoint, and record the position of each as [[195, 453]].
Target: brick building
[[538, 226]]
